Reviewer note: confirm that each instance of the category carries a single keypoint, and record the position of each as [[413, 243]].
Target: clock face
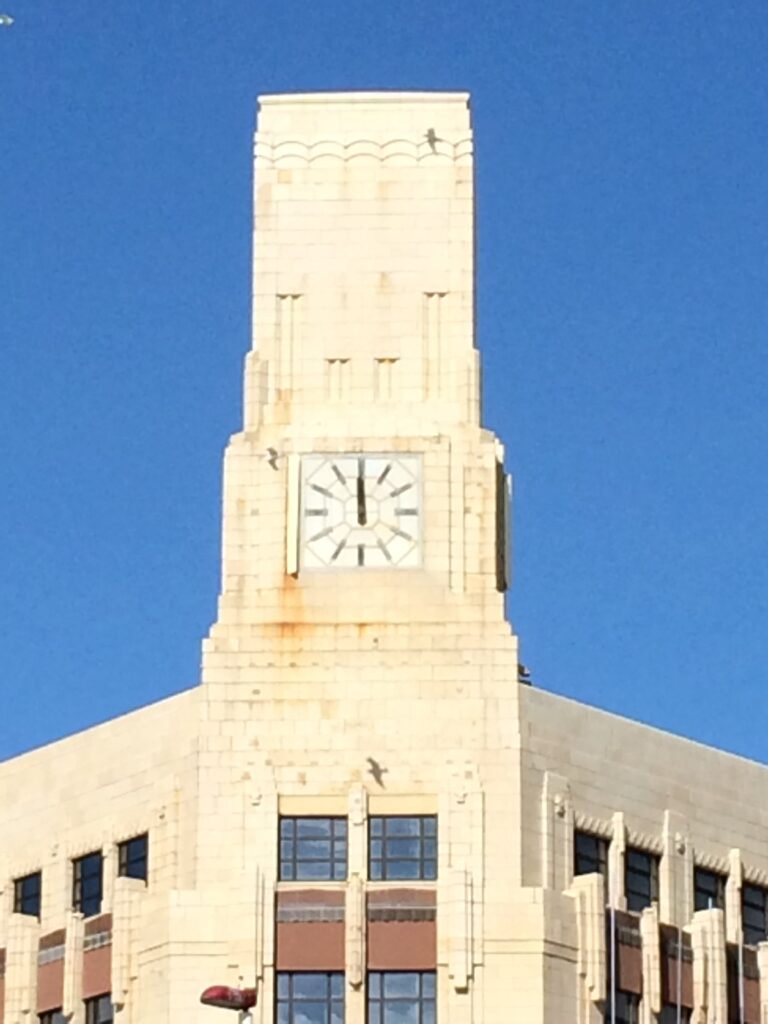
[[361, 511]]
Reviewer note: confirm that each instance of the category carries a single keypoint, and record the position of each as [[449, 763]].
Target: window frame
[[380, 866], [332, 1000], [126, 859], [51, 1017], [627, 1007], [599, 858], [377, 1001], [634, 897], [95, 1005], [288, 837], [718, 889], [19, 896], [750, 932], [82, 902], [668, 1014]]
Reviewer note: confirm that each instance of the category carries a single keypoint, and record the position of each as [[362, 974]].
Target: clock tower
[[361, 663], [363, 488]]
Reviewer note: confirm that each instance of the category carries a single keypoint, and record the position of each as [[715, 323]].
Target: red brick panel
[[402, 946], [97, 971], [670, 962], [310, 946], [50, 985], [629, 956], [750, 985], [95, 925]]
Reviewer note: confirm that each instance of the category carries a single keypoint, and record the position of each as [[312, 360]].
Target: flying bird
[[272, 456], [377, 771], [432, 139]]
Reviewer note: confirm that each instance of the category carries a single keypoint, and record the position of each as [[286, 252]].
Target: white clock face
[[361, 511]]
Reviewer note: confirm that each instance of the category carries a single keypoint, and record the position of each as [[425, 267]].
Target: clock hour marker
[[321, 490], [339, 549], [339, 475], [361, 554], [406, 511], [323, 533], [401, 533], [384, 473], [316, 512], [400, 490], [384, 548]]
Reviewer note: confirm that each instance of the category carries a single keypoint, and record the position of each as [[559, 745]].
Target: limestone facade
[[361, 672]]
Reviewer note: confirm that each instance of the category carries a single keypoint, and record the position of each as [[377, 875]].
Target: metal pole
[[613, 962]]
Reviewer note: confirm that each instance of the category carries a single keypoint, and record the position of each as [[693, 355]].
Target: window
[[132, 857], [313, 849], [99, 1010], [87, 884], [627, 1008], [753, 914], [52, 1017], [708, 889], [401, 849], [310, 998], [590, 853], [669, 1014], [641, 879], [26, 894], [407, 996]]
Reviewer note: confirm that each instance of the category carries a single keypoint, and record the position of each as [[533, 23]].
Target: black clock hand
[[362, 518]]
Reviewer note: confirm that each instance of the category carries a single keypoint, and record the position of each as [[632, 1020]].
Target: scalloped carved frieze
[[710, 862], [295, 153], [596, 826], [645, 841]]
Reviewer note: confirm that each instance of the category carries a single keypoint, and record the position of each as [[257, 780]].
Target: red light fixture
[[229, 998]]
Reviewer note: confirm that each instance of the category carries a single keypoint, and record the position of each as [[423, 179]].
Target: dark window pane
[[315, 997], [402, 984], [313, 828], [403, 826], [99, 1010], [403, 870], [402, 1011], [313, 849], [132, 857], [709, 889], [754, 916], [402, 848], [590, 854], [26, 894], [641, 879], [87, 883], [401, 997]]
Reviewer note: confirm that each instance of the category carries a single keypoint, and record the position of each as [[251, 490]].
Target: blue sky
[[622, 160]]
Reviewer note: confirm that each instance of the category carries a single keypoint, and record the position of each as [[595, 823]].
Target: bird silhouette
[[377, 771], [272, 456], [432, 139]]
